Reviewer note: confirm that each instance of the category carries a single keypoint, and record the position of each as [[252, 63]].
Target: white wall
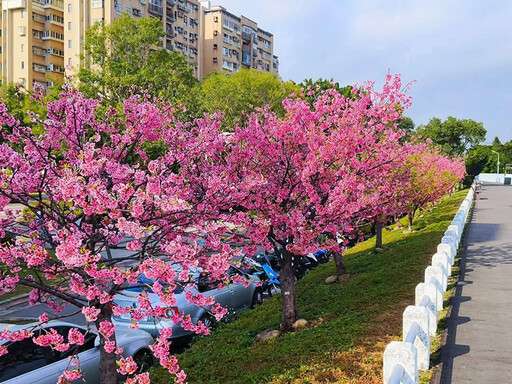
[[491, 178]]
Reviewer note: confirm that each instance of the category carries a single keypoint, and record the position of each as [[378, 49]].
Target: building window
[[22, 65], [224, 51], [214, 46], [69, 26], [69, 61], [215, 60], [97, 3], [22, 14], [69, 8], [22, 47], [70, 44]]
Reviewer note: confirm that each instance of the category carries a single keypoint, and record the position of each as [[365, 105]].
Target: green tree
[[238, 92], [127, 53], [313, 88], [479, 160], [19, 101], [407, 124], [454, 136]]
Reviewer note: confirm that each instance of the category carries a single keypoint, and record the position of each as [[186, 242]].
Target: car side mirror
[[97, 341]]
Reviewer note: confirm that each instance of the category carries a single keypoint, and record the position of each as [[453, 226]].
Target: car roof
[[18, 324]]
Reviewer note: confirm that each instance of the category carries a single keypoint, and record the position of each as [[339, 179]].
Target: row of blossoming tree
[[296, 184]]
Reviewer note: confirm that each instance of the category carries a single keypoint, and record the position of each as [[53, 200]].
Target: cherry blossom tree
[[306, 177], [86, 184], [430, 176]]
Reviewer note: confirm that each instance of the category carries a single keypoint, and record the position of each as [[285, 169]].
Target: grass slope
[[350, 323]]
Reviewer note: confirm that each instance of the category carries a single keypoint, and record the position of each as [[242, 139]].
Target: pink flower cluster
[[90, 186]]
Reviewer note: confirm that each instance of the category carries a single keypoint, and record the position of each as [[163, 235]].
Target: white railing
[[403, 360]]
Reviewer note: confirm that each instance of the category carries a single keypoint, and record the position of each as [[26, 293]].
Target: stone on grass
[[267, 334], [300, 324], [331, 279]]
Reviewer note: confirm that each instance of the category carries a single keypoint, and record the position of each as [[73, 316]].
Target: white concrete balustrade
[[403, 360]]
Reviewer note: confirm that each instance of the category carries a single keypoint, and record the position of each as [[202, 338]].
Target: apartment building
[[233, 42], [32, 41], [180, 20], [41, 40]]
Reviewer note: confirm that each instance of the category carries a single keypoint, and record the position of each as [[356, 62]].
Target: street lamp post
[[498, 172]]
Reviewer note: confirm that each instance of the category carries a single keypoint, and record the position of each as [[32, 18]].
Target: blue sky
[[459, 52]]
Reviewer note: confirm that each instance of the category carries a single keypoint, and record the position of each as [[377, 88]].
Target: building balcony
[[156, 9], [59, 4], [246, 36], [171, 3], [39, 68], [47, 35], [53, 20], [170, 18], [39, 51], [56, 68], [38, 18]]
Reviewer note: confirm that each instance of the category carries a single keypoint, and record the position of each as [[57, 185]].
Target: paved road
[[479, 344]]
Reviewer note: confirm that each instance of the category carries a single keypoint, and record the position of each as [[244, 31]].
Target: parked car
[[27, 362], [235, 297]]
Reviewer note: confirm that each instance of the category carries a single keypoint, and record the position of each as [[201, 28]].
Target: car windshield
[[145, 284]]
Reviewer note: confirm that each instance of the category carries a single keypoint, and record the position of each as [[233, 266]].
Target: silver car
[[27, 362], [235, 297]]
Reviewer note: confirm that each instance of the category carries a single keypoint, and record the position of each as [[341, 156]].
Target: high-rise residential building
[[43, 39], [232, 42], [180, 20], [32, 43]]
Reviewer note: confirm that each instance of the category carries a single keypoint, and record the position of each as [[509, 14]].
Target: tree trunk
[[340, 264], [410, 218], [287, 280], [397, 222], [378, 233], [108, 366]]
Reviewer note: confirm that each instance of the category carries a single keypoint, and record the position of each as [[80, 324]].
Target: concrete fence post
[[401, 354], [448, 249], [441, 260], [451, 241], [418, 315], [403, 360], [434, 275], [453, 234], [456, 229], [429, 291]]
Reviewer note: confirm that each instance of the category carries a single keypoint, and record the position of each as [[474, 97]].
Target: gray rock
[[331, 279], [267, 334]]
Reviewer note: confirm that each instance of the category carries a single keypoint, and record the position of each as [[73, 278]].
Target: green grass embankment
[[350, 323]]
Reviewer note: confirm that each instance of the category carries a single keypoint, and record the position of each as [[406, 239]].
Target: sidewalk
[[479, 343]]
